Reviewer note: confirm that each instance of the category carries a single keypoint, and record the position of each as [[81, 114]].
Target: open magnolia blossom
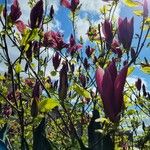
[[110, 86]]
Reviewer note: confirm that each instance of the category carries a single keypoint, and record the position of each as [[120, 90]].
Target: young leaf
[[131, 3], [18, 68], [146, 70], [130, 70], [138, 12], [81, 91], [48, 104]]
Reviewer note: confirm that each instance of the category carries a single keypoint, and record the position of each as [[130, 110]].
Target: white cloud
[[90, 10]]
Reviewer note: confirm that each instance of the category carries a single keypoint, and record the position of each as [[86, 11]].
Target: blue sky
[[89, 8]]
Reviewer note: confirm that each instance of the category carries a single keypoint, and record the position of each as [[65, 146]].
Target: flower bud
[[15, 11], [51, 14], [63, 82], [36, 15], [36, 90], [138, 84], [34, 108], [89, 51], [56, 60], [82, 79], [144, 90]]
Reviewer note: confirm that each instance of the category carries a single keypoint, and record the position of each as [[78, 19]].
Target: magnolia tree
[[59, 94]]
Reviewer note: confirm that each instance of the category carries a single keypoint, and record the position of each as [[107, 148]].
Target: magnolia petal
[[99, 78], [66, 4], [108, 95], [20, 26], [36, 15], [118, 91], [112, 70]]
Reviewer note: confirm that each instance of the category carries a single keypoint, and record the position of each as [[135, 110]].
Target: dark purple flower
[[108, 33], [15, 11], [51, 14], [138, 84], [73, 47], [70, 5], [36, 15], [89, 51], [125, 32], [110, 86], [63, 82], [56, 60], [36, 90], [54, 40], [82, 79]]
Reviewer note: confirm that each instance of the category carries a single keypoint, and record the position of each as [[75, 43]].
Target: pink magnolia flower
[[15, 11], [70, 5], [108, 33], [110, 86], [125, 32], [36, 15], [54, 40], [73, 47]]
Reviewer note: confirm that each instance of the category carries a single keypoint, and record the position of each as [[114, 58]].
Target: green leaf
[[131, 3], [48, 104], [131, 112], [146, 69], [18, 68], [138, 12], [81, 91], [130, 70], [53, 73]]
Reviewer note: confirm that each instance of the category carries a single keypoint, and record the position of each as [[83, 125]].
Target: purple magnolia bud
[[138, 84], [36, 15], [125, 32], [34, 108], [51, 14], [15, 11], [56, 60], [63, 82], [145, 9], [110, 86], [70, 5], [89, 51], [36, 90], [108, 33], [144, 90], [82, 79]]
